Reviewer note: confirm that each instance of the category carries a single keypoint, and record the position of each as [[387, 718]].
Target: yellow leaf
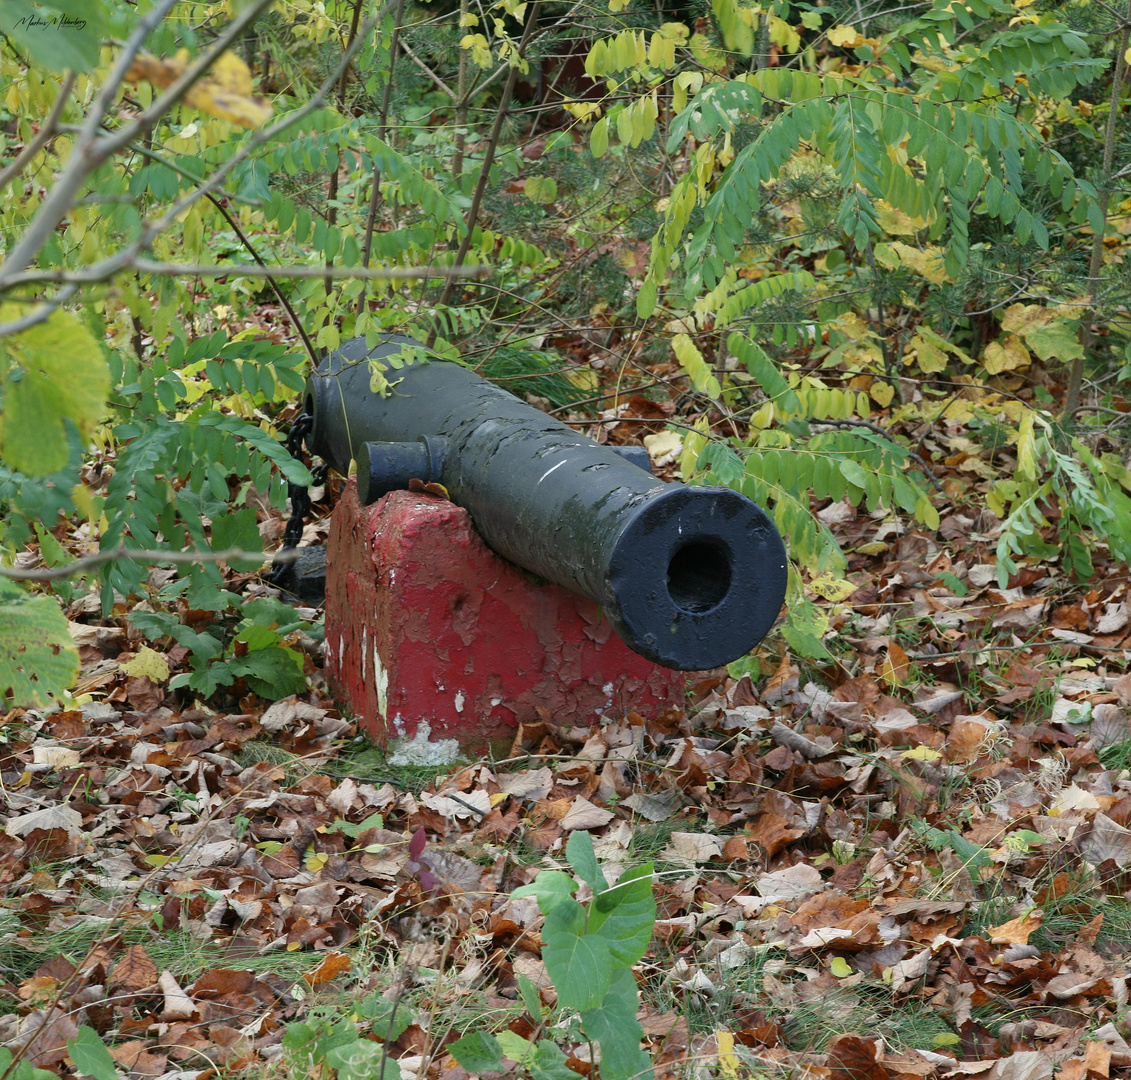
[[149, 663], [1009, 354], [897, 223], [839, 967], [927, 261], [728, 1059], [314, 863], [784, 35], [832, 588], [926, 356], [846, 37], [582, 110], [157, 860], [1024, 318], [225, 92], [921, 753], [882, 393], [294, 946]]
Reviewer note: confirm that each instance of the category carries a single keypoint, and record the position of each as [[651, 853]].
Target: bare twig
[[1095, 261], [488, 158], [382, 133], [89, 562], [429, 72], [272, 280], [101, 272]]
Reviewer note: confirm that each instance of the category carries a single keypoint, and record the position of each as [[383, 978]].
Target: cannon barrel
[[689, 577]]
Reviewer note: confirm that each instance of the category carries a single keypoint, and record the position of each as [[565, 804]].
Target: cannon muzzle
[[689, 577]]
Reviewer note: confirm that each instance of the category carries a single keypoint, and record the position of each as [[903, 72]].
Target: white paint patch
[[420, 750], [381, 680], [460, 699], [496, 701], [550, 470], [364, 650]]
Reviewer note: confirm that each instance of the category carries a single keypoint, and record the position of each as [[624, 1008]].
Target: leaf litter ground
[[912, 862]]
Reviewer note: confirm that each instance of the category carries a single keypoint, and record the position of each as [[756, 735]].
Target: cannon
[[689, 577]]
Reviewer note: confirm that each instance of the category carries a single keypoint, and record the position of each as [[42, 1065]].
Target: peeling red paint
[[461, 638]]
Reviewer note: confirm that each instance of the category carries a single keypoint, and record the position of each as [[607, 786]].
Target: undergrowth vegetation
[[865, 263]]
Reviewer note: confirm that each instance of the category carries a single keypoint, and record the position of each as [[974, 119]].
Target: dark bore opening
[[699, 576]]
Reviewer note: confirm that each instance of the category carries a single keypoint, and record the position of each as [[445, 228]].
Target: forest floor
[[912, 861]]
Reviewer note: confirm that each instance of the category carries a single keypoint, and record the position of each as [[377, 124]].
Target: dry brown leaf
[[59, 816], [1016, 931], [583, 814], [532, 784], [178, 1005], [694, 847], [134, 972], [852, 1057], [895, 666], [334, 965], [1107, 840]]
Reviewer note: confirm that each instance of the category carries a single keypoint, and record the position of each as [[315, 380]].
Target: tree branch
[[89, 562], [127, 259], [92, 149]]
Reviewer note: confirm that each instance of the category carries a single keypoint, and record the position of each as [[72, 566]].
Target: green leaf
[[548, 1063], [272, 673], [614, 1025], [580, 855], [599, 137], [90, 1055], [1057, 340], [238, 530], [552, 887], [38, 658], [541, 189], [579, 964], [24, 1070], [478, 1052], [646, 299], [515, 1046], [625, 915], [56, 34], [50, 374], [529, 994]]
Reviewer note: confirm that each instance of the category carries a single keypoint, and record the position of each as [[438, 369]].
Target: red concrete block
[[424, 623]]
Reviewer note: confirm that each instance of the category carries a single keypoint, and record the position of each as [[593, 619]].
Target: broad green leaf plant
[[589, 948]]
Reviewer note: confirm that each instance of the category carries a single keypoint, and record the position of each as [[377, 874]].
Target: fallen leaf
[[147, 663], [582, 814], [334, 965], [59, 816], [1016, 931]]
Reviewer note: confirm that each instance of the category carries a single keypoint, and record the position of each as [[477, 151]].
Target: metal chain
[[299, 495]]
